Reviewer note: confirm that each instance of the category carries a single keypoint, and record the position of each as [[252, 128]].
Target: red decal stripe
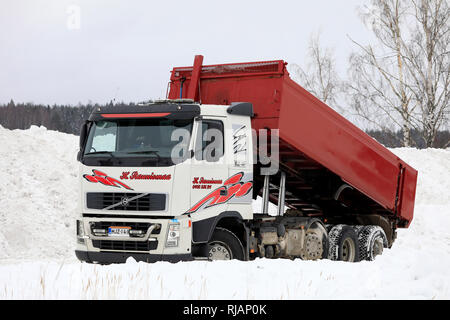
[[101, 177], [234, 187], [134, 115]]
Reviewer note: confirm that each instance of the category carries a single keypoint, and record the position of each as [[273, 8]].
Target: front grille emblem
[[125, 201]]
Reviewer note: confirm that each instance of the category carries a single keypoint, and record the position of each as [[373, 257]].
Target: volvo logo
[[125, 201]]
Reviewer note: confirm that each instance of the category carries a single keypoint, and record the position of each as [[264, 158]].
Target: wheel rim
[[219, 251], [377, 248], [348, 250], [313, 247]]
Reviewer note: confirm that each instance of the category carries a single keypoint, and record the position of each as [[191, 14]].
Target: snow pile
[[38, 188], [38, 193]]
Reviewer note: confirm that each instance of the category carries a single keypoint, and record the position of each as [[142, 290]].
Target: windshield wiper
[[100, 152], [110, 153], [144, 152], [147, 152]]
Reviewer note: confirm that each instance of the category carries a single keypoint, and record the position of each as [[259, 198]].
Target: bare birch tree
[[427, 57], [404, 81], [377, 88], [320, 76]]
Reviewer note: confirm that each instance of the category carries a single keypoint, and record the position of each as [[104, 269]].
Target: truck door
[[209, 169], [240, 165]]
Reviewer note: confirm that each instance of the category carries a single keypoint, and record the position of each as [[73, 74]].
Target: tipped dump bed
[[312, 135]]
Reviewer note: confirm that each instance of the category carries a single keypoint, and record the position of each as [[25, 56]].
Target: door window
[[210, 141]]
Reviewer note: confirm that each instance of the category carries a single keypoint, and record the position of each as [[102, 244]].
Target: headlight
[[80, 229], [80, 232], [173, 235]]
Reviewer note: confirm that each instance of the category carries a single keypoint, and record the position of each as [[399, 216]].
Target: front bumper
[[149, 248], [121, 257]]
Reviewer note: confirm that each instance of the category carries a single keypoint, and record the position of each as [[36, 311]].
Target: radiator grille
[[125, 201]]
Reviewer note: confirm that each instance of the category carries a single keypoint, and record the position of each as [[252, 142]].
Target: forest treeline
[[68, 119]]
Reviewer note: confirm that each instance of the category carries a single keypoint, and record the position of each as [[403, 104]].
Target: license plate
[[119, 231]]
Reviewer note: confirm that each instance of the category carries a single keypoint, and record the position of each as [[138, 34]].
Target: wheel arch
[[231, 220]]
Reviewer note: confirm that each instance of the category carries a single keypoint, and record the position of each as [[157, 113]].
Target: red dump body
[[308, 128]]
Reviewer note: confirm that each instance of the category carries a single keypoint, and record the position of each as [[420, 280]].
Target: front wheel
[[224, 245]]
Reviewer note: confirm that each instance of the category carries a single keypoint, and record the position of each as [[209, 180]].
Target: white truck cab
[[156, 179]]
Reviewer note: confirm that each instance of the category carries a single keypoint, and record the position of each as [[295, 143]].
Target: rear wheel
[[224, 245], [343, 244], [371, 241]]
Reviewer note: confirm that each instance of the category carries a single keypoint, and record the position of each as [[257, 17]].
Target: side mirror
[[83, 134]]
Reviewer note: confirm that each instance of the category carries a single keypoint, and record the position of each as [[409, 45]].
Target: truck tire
[[324, 231], [343, 244], [224, 245], [371, 241]]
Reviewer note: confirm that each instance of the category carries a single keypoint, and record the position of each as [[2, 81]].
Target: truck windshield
[[135, 142]]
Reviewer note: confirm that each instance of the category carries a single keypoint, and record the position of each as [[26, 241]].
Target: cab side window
[[210, 141]]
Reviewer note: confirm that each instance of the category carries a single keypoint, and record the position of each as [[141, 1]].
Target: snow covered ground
[[38, 187]]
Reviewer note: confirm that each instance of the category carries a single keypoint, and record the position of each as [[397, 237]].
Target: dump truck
[[238, 162]]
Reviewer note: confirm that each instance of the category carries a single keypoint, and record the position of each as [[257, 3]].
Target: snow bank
[[38, 190], [38, 187]]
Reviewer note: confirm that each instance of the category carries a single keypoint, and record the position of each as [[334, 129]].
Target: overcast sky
[[58, 51]]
